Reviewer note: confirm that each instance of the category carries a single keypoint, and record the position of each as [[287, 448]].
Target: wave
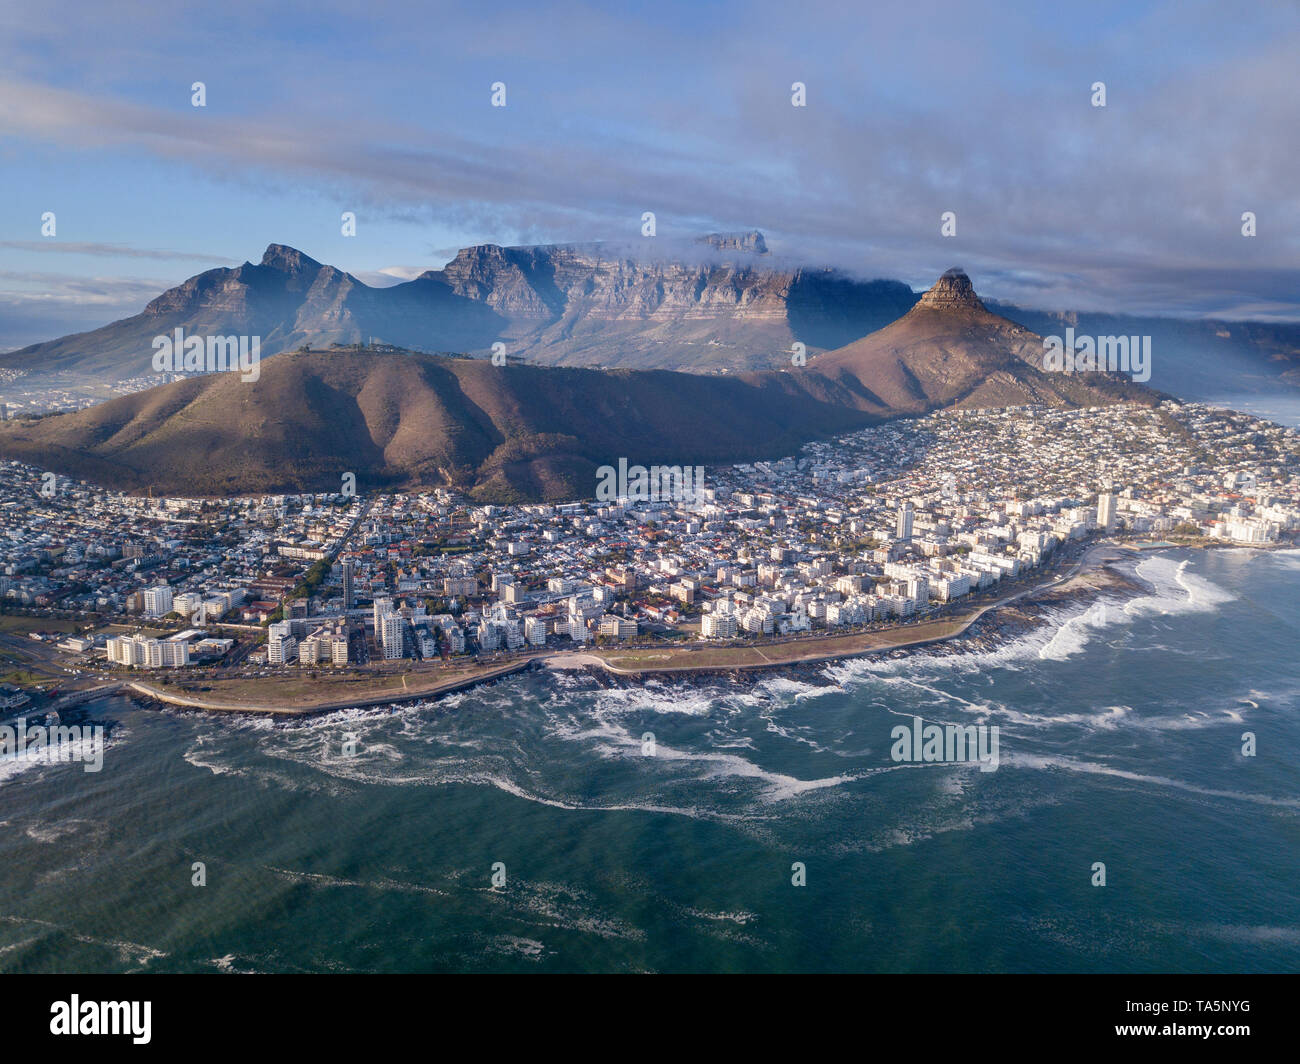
[[126, 951], [72, 753], [1042, 762], [1177, 590], [323, 880]]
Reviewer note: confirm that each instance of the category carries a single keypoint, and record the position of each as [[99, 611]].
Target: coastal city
[[887, 526], [22, 396]]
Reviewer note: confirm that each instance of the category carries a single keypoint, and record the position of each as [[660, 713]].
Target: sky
[[683, 109]]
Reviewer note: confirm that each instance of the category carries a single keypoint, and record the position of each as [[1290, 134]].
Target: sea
[[1144, 815]]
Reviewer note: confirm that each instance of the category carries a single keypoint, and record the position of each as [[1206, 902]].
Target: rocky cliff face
[[720, 303], [561, 282], [950, 350], [953, 291]]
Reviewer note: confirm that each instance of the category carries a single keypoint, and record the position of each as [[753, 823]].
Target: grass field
[[23, 625], [22, 678], [328, 688], [791, 653]]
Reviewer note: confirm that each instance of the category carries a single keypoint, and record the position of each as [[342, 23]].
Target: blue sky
[[679, 108]]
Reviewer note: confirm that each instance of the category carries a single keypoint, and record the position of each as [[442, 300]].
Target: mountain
[[730, 308], [288, 299], [719, 303], [950, 350], [505, 433], [520, 432]]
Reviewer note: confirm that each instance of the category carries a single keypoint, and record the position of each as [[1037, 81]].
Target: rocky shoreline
[[993, 631], [997, 627]]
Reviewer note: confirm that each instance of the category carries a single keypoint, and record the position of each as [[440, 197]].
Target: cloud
[[913, 109], [65, 247], [388, 276]]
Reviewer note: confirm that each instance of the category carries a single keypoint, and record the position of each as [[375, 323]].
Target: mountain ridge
[[721, 303], [524, 432]]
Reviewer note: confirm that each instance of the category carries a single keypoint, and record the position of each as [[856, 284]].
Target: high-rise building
[[347, 584], [489, 636], [1106, 511], [535, 631], [918, 589], [187, 604], [381, 606], [904, 528], [281, 651], [158, 601], [339, 649], [392, 627]]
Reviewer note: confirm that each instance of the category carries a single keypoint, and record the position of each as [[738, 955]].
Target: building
[[282, 651], [347, 584], [452, 633], [187, 604], [903, 529], [158, 601], [535, 631], [391, 631], [455, 586], [1106, 511], [124, 650], [328, 644], [918, 589], [612, 626], [719, 626], [140, 652], [489, 636]]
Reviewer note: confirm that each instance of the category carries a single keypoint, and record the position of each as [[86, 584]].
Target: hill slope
[[719, 303], [395, 420], [288, 299], [528, 432], [950, 350], [554, 305]]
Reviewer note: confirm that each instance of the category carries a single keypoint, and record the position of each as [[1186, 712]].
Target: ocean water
[[1120, 727], [1279, 405]]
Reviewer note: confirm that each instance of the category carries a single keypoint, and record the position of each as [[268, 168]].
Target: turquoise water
[[1120, 739]]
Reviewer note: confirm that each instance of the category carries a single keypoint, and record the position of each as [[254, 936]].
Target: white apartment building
[[535, 631], [1106, 511], [187, 604], [137, 651], [392, 635], [489, 636], [613, 626], [282, 651], [158, 601], [718, 626]]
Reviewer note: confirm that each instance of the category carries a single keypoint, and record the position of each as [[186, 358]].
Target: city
[[891, 525]]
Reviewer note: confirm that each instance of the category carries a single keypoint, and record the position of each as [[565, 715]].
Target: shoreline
[[1080, 578]]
